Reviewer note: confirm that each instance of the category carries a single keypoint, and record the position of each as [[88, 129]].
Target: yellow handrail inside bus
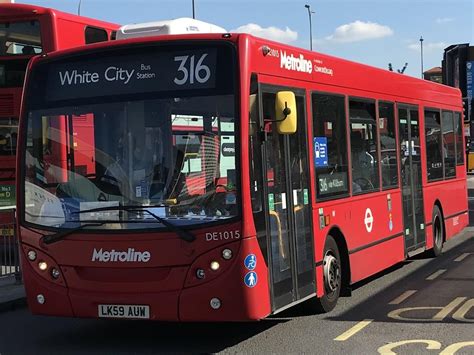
[[280, 235]]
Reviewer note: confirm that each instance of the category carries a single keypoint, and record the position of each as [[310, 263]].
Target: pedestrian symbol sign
[[251, 279], [250, 262], [320, 151]]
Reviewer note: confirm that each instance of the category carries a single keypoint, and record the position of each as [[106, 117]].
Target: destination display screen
[[159, 71]]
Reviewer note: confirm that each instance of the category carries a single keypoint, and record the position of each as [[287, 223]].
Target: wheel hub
[[332, 273]]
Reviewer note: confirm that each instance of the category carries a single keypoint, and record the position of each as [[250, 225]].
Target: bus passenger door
[[287, 206], [410, 165]]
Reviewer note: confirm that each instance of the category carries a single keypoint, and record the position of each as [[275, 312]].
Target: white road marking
[[356, 328], [403, 297], [436, 274], [462, 257]]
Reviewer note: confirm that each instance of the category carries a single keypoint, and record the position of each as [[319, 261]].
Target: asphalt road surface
[[418, 305]]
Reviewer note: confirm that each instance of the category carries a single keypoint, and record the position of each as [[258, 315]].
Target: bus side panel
[[75, 33], [370, 224], [369, 261], [456, 224], [376, 240], [452, 196]]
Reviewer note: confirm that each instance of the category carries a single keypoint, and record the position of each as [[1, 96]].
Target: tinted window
[[8, 136], [94, 35], [20, 38], [364, 150], [434, 157], [388, 145], [449, 151], [329, 121], [458, 127], [12, 73]]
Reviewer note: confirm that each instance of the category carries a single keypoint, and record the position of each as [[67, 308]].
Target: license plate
[[124, 311]]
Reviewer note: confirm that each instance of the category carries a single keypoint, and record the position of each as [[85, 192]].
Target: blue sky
[[373, 32]]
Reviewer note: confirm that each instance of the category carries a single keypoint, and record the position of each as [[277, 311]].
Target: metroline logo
[[290, 62], [121, 256]]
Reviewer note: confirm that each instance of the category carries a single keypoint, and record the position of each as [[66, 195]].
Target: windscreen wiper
[[52, 238], [182, 233]]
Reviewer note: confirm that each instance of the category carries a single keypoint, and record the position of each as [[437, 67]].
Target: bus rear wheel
[[438, 232], [332, 276]]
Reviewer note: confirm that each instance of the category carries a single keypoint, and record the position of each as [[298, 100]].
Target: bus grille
[[7, 107]]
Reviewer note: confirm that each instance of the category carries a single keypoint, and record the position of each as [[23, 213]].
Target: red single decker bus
[[233, 177], [25, 31]]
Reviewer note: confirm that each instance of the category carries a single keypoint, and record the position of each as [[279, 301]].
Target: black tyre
[[332, 276], [438, 232]]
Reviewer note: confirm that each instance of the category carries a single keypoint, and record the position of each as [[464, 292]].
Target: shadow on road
[[429, 293], [114, 337]]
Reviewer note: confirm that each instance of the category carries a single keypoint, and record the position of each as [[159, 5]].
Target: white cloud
[[444, 20], [428, 47], [272, 33], [359, 31]]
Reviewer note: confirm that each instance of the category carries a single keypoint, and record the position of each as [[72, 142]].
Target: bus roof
[[10, 11], [182, 25]]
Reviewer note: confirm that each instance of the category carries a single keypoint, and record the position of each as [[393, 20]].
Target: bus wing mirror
[[285, 112]]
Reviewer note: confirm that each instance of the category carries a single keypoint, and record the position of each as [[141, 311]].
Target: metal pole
[[79, 8], [194, 13], [421, 45], [310, 27]]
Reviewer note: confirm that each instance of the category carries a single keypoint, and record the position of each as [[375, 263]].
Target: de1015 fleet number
[[227, 235]]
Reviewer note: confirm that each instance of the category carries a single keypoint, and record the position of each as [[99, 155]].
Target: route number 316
[[192, 71]]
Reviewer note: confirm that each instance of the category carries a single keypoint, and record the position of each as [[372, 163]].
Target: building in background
[[434, 74], [458, 71]]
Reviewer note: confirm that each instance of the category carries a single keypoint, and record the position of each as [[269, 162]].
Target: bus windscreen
[[161, 144]]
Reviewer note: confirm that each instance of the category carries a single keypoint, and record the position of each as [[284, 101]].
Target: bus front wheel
[[332, 276]]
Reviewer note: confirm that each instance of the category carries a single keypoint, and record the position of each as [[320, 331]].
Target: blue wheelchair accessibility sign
[[320, 151], [251, 279], [250, 262]]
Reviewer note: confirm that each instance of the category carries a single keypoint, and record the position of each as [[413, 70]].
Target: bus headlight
[[210, 265], [42, 265], [214, 266]]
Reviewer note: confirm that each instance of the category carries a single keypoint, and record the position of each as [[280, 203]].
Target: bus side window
[[434, 149], [94, 35], [329, 122], [458, 127], [447, 127], [388, 145], [364, 148]]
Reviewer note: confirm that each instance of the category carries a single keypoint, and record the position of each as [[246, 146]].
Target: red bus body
[[368, 242], [57, 30]]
